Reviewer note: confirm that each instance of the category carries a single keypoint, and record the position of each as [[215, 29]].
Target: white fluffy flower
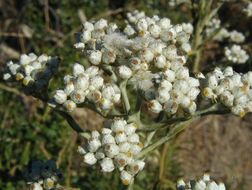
[[107, 165], [236, 36], [126, 177], [115, 149], [90, 159], [124, 72], [77, 69], [236, 54], [95, 57], [60, 96]]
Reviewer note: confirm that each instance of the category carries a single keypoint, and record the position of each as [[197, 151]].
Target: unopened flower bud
[[107, 165], [60, 96], [90, 159]]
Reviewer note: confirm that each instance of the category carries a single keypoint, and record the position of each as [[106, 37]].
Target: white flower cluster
[[203, 184], [248, 9], [236, 54], [212, 26], [232, 89], [28, 68], [236, 37], [87, 85], [146, 49], [222, 33], [115, 147], [174, 89]]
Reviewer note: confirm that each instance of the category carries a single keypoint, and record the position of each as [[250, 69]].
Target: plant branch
[[70, 120], [176, 130], [125, 96]]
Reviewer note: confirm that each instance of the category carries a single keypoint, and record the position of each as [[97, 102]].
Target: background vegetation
[[29, 130]]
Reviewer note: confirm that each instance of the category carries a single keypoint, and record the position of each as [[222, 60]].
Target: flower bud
[[81, 150], [142, 25], [92, 71], [168, 35], [77, 96], [79, 45], [93, 145], [124, 72], [121, 160], [108, 57], [95, 57], [154, 106], [111, 150], [134, 138], [221, 186], [107, 165], [81, 82], [160, 62], [100, 24], [108, 139], [169, 75], [106, 131], [88, 26], [212, 186], [49, 183], [154, 30], [90, 159], [126, 177], [99, 155], [78, 69], [124, 147], [200, 185], [118, 125], [60, 96], [164, 23], [69, 88], [120, 137], [136, 166], [105, 104], [130, 128], [86, 36], [69, 105], [147, 55]]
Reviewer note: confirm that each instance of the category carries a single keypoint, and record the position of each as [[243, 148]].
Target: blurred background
[[29, 130]]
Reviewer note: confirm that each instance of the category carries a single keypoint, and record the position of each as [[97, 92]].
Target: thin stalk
[[205, 15], [125, 96], [176, 130], [70, 120]]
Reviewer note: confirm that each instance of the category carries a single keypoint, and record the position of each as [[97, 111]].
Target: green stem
[[177, 129], [125, 96], [205, 15], [70, 120]]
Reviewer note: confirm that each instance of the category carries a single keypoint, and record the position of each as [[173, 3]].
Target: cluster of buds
[[230, 88], [87, 85], [150, 52], [221, 33], [30, 68], [116, 146], [43, 175], [248, 9], [203, 184], [175, 89], [213, 26], [236, 54]]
